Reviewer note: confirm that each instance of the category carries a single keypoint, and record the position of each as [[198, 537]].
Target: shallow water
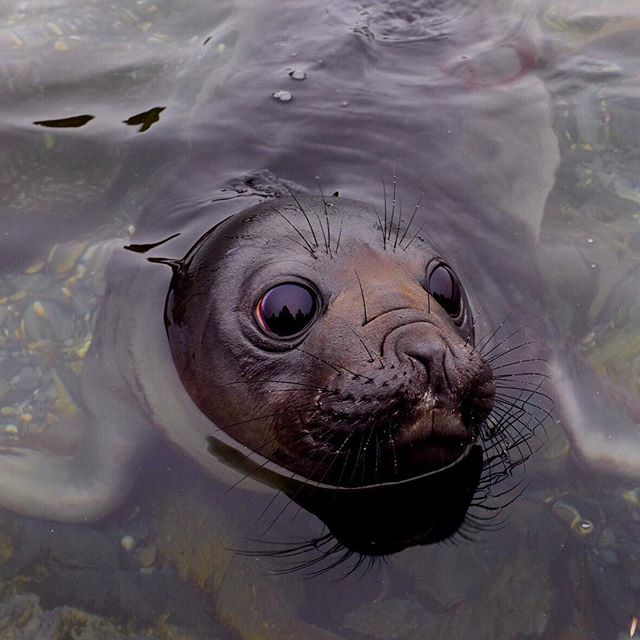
[[144, 119]]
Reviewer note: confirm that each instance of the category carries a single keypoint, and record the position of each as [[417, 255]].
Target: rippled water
[[139, 119]]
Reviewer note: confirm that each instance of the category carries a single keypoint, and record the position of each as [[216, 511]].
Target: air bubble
[[282, 96]]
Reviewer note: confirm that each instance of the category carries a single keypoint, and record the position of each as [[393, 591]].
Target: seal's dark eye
[[286, 309], [444, 287]]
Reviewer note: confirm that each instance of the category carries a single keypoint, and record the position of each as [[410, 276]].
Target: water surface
[[129, 117]]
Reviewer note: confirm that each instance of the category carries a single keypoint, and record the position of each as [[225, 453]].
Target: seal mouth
[[386, 450], [433, 440]]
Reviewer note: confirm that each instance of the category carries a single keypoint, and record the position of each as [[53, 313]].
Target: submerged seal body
[[335, 345], [332, 343]]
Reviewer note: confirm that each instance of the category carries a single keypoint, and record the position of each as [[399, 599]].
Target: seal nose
[[432, 356]]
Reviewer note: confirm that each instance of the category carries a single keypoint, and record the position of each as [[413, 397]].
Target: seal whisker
[[293, 226], [413, 215], [508, 405], [415, 235], [325, 553], [291, 499], [275, 496], [324, 475], [384, 232], [392, 446], [371, 358], [530, 392], [344, 467], [526, 384], [484, 342], [382, 229], [324, 235], [326, 216], [393, 201], [523, 431], [399, 225], [515, 362], [540, 395], [364, 302], [507, 413], [516, 419], [499, 344], [272, 381], [357, 460], [307, 480], [339, 236], [304, 213], [298, 410], [334, 366], [532, 374], [267, 461], [501, 354], [479, 523], [369, 352], [504, 397], [364, 452]]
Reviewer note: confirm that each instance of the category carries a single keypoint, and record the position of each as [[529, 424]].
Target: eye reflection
[[286, 309]]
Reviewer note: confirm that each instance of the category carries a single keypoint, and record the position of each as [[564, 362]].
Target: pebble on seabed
[[146, 556], [128, 543]]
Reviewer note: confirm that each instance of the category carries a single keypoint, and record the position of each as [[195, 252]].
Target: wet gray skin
[[485, 161]]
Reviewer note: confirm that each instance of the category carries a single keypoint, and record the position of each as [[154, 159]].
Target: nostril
[[421, 361], [432, 358]]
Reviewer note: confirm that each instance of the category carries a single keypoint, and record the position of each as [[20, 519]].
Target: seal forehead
[[334, 247], [308, 229]]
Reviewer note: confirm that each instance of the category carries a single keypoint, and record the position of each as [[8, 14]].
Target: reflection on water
[[154, 117]]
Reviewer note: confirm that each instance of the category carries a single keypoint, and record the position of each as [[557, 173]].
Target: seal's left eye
[[443, 285], [286, 309]]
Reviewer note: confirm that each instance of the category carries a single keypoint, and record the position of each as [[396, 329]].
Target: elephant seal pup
[[328, 344], [338, 345]]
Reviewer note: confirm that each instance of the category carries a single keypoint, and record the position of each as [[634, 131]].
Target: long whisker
[[384, 232], [293, 226], [393, 202], [334, 366], [339, 236], [399, 225], [326, 216], [304, 213], [413, 215], [364, 302]]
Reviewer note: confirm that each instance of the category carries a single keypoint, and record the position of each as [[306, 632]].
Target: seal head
[[332, 340]]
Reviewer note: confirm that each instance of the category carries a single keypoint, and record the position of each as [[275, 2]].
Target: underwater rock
[[22, 618]]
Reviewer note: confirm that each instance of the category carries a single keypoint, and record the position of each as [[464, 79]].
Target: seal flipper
[[91, 480], [604, 434]]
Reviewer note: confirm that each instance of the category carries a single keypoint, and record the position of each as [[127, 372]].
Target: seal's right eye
[[286, 309]]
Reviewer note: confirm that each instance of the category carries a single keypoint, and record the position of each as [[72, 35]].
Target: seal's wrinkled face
[[345, 339]]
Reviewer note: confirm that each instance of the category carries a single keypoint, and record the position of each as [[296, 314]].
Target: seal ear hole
[[287, 309]]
